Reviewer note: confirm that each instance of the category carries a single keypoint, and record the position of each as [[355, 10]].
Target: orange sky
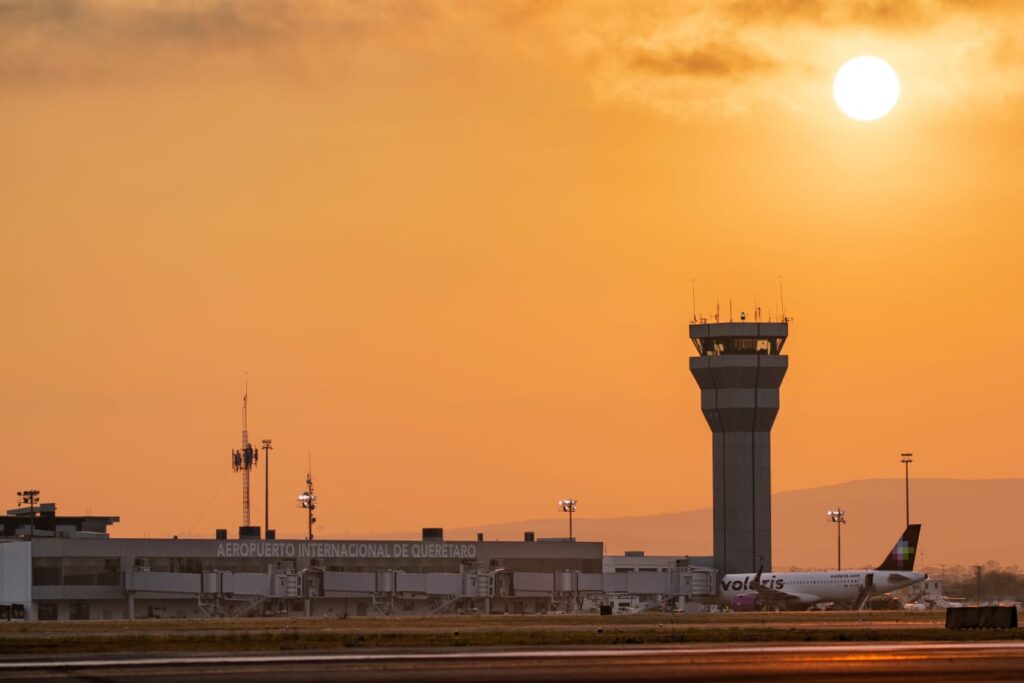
[[454, 249]]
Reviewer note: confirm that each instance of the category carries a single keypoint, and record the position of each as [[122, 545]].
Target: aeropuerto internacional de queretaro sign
[[345, 549]]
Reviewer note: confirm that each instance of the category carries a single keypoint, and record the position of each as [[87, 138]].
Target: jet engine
[[746, 602]]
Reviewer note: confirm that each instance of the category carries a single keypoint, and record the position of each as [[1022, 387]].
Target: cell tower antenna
[[245, 413], [244, 459]]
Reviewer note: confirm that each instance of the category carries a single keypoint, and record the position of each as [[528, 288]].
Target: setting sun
[[866, 88]]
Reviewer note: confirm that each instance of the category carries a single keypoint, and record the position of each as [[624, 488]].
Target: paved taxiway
[[984, 661]]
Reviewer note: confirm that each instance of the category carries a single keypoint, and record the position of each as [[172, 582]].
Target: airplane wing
[[772, 596]]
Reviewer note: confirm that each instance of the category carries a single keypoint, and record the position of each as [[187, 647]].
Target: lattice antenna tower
[[244, 459]]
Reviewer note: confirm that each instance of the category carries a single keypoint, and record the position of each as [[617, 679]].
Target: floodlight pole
[[839, 547], [839, 517], [906, 459], [30, 497], [266, 486], [568, 505]]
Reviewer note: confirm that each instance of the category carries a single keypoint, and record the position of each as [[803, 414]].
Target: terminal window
[[76, 571]]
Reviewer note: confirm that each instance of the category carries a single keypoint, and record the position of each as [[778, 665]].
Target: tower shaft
[[739, 370]]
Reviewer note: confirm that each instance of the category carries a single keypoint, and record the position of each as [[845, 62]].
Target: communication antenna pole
[[307, 499], [244, 459], [782, 300], [245, 443], [693, 292]]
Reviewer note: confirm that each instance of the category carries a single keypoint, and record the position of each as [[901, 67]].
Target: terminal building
[[57, 568], [73, 574]]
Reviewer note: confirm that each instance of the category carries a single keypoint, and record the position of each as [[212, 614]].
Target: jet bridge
[[398, 592]]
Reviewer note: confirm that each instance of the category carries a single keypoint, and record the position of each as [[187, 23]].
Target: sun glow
[[866, 88]]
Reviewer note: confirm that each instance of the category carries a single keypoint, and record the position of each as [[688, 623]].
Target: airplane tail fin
[[901, 557], [756, 581]]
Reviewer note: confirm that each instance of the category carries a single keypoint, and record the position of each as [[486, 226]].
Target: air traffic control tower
[[739, 368]]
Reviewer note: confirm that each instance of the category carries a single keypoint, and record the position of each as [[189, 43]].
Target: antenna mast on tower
[[307, 500], [244, 460]]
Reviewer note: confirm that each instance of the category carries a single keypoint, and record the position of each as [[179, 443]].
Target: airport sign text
[[345, 549]]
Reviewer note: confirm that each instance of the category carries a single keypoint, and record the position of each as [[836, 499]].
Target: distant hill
[[965, 522]]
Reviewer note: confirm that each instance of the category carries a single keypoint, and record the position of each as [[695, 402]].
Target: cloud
[[886, 14], [677, 56], [895, 15], [82, 39], [713, 60]]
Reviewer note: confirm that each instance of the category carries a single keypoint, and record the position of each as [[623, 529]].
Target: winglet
[[901, 557]]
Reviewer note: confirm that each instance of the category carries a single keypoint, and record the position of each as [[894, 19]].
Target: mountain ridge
[[965, 521]]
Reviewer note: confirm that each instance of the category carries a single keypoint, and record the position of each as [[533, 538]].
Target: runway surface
[[985, 661]]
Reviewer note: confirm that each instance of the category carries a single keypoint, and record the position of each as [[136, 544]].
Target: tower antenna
[[244, 459], [307, 499], [693, 293], [245, 412], [782, 300]]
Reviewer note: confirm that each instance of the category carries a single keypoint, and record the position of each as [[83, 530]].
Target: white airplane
[[802, 590]]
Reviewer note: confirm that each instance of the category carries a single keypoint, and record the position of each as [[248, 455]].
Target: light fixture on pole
[[568, 505], [30, 497], [906, 459], [839, 517], [267, 447]]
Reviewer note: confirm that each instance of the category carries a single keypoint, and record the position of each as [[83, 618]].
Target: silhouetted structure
[[739, 369], [244, 459], [42, 520]]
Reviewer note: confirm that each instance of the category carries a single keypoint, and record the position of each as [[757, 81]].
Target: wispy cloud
[[883, 14], [62, 39], [894, 15], [713, 59]]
